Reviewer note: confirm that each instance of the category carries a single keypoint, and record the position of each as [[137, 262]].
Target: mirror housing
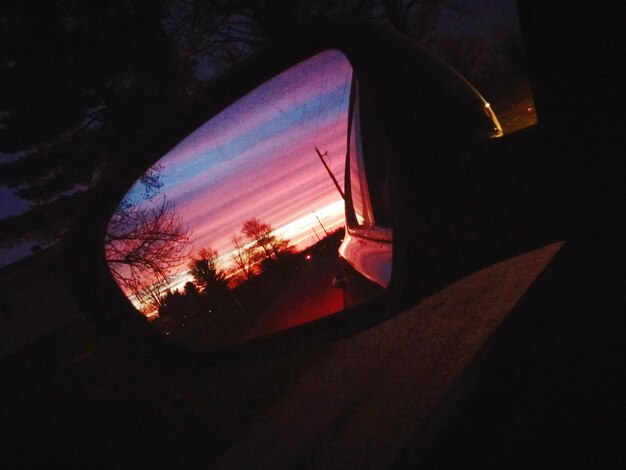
[[422, 123]]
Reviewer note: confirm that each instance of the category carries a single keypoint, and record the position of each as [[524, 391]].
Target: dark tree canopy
[[191, 289], [206, 273], [82, 84], [179, 305]]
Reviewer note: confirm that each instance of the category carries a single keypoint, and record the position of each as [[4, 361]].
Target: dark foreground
[[374, 399]]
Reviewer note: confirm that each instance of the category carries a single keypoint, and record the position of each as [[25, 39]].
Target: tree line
[[146, 242], [256, 250]]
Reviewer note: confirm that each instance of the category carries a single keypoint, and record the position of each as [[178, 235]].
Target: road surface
[[310, 295]]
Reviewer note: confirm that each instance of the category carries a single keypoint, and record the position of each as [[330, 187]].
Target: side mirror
[[301, 168], [234, 234]]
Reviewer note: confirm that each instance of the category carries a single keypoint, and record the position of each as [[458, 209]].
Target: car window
[[360, 207], [368, 199]]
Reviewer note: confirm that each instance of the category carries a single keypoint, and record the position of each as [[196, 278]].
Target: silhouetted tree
[[143, 245], [262, 234], [170, 304], [243, 255], [208, 275], [191, 289], [151, 296], [179, 305]]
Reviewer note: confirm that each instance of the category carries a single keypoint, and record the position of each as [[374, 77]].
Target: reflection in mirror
[[235, 232]]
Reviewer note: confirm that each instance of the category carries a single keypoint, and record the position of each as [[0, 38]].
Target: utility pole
[[322, 225], [330, 173], [318, 237]]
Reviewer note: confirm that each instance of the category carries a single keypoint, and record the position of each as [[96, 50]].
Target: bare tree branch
[[143, 246], [243, 255]]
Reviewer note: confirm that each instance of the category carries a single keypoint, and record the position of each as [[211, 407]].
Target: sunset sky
[[257, 159]]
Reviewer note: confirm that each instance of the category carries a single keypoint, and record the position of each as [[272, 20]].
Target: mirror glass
[[236, 232]]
